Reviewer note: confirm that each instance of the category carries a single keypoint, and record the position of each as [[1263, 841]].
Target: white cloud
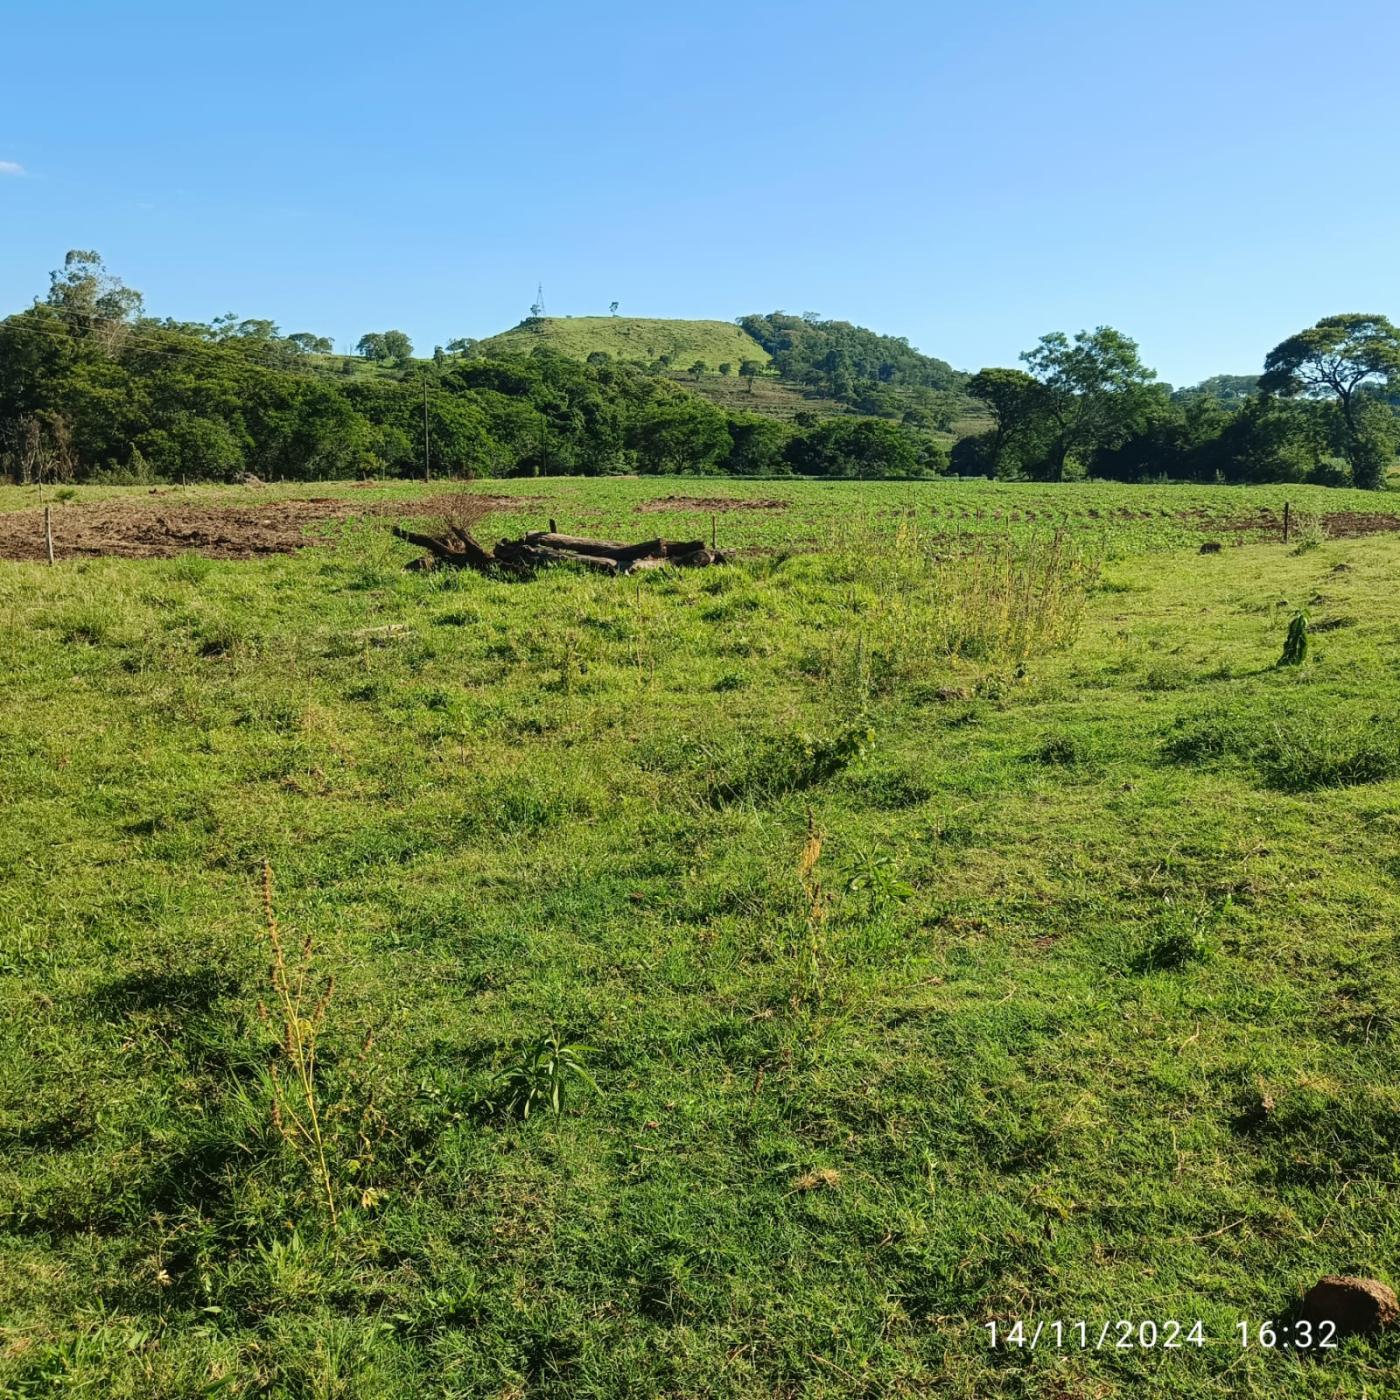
[[11, 167]]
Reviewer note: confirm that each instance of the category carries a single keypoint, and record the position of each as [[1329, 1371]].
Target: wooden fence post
[[48, 531], [1286, 513]]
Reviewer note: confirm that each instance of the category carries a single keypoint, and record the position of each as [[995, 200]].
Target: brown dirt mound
[[146, 529], [709, 503]]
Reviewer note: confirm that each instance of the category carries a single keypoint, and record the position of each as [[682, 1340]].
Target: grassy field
[[637, 338], [956, 924]]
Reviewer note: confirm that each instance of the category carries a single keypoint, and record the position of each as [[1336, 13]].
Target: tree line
[[1323, 410], [93, 389]]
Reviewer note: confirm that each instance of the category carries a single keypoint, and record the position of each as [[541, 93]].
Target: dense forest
[[875, 374], [94, 389]]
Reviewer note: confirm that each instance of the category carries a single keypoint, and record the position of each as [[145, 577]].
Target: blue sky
[[1206, 177]]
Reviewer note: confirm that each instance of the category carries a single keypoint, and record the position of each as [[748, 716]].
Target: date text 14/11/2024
[[1124, 1334]]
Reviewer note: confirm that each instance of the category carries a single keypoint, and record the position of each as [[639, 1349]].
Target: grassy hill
[[635, 338]]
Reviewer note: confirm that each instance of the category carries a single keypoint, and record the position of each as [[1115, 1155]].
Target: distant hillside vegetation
[[765, 394], [837, 356], [636, 339]]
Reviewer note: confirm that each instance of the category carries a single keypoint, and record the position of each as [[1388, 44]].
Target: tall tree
[[1338, 359], [1094, 389], [385, 345], [397, 346], [91, 300], [1016, 401], [309, 344]]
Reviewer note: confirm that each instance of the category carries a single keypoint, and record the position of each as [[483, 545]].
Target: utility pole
[[427, 463]]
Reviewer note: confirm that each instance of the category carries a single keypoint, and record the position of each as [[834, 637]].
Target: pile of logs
[[540, 548]]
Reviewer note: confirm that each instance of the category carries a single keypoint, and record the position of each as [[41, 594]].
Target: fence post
[[1286, 513], [48, 531]]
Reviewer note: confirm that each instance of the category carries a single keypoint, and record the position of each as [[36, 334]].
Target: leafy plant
[[542, 1076], [816, 760], [876, 875], [1308, 533], [794, 762], [1295, 644]]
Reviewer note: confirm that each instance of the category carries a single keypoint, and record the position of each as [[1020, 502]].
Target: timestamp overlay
[[1165, 1334]]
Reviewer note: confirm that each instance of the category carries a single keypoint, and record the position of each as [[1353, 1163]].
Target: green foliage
[[1061, 750], [149, 401], [1179, 937], [1296, 749], [1338, 359], [816, 760], [864, 447], [1094, 392], [542, 1076], [876, 875], [1295, 644], [1020, 414], [837, 355], [1225, 390], [392, 346]]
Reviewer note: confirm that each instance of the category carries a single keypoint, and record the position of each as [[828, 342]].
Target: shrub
[[1295, 644]]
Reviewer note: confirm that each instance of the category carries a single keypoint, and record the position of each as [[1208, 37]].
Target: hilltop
[[642, 340], [811, 365]]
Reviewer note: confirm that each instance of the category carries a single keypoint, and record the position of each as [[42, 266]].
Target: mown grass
[[1084, 1007]]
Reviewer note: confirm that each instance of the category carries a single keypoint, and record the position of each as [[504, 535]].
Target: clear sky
[[1207, 177]]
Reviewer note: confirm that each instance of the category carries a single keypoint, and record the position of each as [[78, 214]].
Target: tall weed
[[920, 599]]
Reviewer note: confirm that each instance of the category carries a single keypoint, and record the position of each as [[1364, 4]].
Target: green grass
[[636, 338], [1086, 1009]]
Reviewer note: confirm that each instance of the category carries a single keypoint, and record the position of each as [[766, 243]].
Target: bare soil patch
[[1337, 525], [710, 503], [158, 528]]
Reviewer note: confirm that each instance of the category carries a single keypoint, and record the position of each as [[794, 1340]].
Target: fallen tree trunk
[[456, 547], [518, 554], [541, 548], [610, 549]]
